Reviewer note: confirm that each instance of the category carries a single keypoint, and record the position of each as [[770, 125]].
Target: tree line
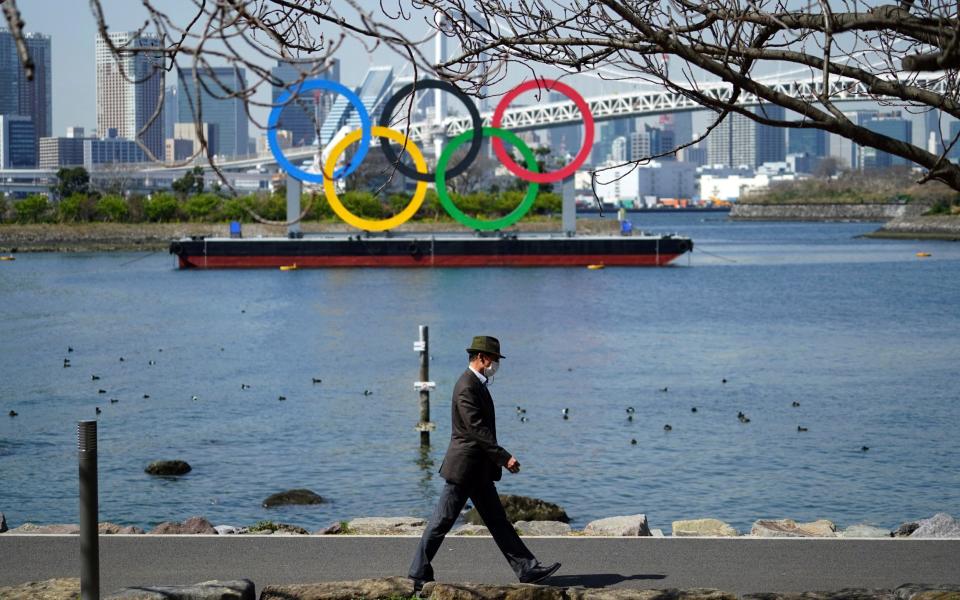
[[188, 201]]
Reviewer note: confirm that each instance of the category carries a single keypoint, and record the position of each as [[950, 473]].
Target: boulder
[[844, 594], [906, 529], [862, 530], [371, 589], [387, 526], [523, 508], [292, 497], [479, 591], [923, 591], [51, 589], [469, 529], [226, 530], [3, 523], [656, 533], [112, 529], [790, 528], [542, 528], [703, 527], [332, 529], [168, 467], [629, 525], [242, 589], [60, 529], [192, 526], [940, 525]]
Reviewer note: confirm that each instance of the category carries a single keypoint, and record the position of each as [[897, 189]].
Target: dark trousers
[[484, 496]]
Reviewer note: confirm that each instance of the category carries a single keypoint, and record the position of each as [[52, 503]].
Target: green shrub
[[272, 207], [235, 209], [3, 207], [548, 203], [33, 209], [362, 204], [161, 208], [202, 207], [77, 208], [112, 209]]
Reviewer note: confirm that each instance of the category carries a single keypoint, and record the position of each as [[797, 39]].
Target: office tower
[[892, 125], [741, 141], [680, 124], [954, 153], [171, 111], [129, 89], [27, 98], [809, 141], [213, 106], [618, 149], [652, 141], [566, 139], [18, 142], [303, 116]]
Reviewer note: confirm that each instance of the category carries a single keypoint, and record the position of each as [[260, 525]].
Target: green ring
[[459, 215]]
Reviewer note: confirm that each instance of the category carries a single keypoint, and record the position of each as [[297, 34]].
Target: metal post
[[569, 207], [424, 385], [294, 191], [89, 520]]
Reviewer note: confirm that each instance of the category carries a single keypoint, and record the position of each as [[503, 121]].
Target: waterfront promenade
[[738, 565]]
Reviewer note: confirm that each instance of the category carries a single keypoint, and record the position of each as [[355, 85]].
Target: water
[[862, 333]]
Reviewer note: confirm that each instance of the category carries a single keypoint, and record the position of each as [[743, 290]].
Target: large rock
[[469, 529], [387, 526], [51, 589], [292, 497], [629, 525], [371, 589], [940, 525], [542, 528], [790, 528], [523, 508], [863, 530], [332, 529], [112, 529], [3, 523], [923, 591], [477, 591], [192, 526], [906, 529], [844, 594], [168, 467], [59, 529], [242, 589], [703, 527]]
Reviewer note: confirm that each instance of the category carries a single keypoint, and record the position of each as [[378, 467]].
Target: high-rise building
[[57, 152], [652, 141], [741, 141], [303, 116], [808, 140], [567, 139], [18, 142], [680, 124], [171, 111], [892, 125], [954, 153], [18, 96], [130, 87], [215, 106], [618, 149]]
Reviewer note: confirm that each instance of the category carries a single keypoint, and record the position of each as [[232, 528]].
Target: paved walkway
[[739, 565]]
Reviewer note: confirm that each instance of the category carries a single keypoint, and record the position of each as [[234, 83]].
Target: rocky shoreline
[[932, 227], [756, 211], [938, 526]]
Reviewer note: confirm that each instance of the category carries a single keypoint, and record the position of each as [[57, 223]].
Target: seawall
[[747, 211], [938, 227]]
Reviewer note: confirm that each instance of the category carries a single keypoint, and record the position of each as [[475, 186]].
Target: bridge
[[540, 115]]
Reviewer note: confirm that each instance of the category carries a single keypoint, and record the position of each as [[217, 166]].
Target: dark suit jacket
[[473, 453]]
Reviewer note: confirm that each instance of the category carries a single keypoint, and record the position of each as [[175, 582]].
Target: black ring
[[475, 143]]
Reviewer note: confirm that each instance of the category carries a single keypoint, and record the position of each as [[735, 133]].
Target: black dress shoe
[[539, 573]]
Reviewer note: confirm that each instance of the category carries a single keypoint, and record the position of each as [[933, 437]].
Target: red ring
[[579, 159]]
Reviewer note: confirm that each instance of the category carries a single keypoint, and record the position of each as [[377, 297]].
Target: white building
[[635, 186]]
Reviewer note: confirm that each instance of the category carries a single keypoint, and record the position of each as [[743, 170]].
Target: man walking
[[472, 463]]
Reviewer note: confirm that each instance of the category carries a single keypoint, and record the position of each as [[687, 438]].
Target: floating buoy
[[594, 267], [292, 267], [923, 254]]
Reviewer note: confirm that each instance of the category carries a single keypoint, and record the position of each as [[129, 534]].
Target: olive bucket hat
[[487, 345]]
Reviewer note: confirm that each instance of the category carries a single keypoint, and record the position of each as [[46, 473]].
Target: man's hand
[[513, 465]]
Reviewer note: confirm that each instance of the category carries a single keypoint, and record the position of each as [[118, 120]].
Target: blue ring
[[330, 86]]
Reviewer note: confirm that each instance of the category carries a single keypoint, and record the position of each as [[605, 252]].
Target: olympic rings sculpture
[[420, 173]]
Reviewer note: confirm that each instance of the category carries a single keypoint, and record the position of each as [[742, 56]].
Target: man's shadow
[[597, 580]]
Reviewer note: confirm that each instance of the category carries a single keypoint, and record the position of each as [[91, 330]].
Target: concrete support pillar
[[569, 207], [294, 191]]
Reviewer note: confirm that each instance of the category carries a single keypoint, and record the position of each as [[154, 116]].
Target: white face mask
[[490, 371]]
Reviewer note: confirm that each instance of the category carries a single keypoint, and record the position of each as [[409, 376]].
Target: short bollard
[[89, 521]]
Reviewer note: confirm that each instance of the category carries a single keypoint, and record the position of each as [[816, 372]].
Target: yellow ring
[[377, 224]]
